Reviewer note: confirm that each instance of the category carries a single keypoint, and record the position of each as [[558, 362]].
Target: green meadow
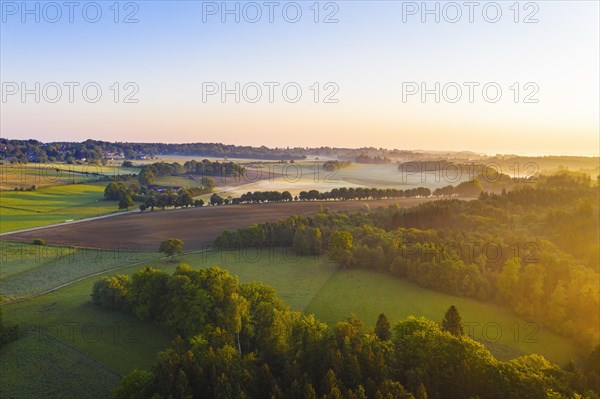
[[367, 293], [181, 181], [59, 369], [31, 269], [51, 205], [55, 174]]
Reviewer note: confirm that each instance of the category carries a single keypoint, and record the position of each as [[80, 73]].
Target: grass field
[[56, 369], [30, 269], [367, 293], [52, 205], [55, 174], [182, 181]]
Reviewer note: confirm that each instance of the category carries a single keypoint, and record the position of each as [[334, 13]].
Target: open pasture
[[31, 269], [55, 174], [52, 205], [367, 293]]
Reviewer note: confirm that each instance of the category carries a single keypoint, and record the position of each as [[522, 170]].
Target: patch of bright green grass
[[55, 174], [51, 205], [367, 293], [181, 181], [296, 279]]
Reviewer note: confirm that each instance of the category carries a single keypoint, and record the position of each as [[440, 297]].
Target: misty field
[[306, 176]]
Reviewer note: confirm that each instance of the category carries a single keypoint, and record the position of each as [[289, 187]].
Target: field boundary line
[[81, 352], [316, 202], [20, 209], [321, 288], [65, 223]]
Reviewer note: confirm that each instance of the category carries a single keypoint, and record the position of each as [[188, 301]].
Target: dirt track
[[197, 227]]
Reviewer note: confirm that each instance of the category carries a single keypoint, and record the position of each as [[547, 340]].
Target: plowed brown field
[[197, 227]]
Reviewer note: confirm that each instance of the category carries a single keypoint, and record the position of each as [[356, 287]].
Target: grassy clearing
[[294, 186], [388, 176], [51, 205], [296, 279], [367, 293], [104, 344], [181, 181]]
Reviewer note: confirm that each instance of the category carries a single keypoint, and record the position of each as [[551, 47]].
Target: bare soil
[[197, 227]]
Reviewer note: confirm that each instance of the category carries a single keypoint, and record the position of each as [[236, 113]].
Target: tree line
[[148, 173], [332, 166], [465, 189], [375, 159], [336, 194], [126, 194], [36, 151], [120, 191], [241, 341]]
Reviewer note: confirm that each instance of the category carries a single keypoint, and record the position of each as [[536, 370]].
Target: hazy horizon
[[177, 50], [425, 150]]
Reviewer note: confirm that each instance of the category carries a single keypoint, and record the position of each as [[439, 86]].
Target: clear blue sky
[[368, 54]]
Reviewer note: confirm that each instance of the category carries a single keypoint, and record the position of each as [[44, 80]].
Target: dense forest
[[35, 151], [534, 249], [240, 341]]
